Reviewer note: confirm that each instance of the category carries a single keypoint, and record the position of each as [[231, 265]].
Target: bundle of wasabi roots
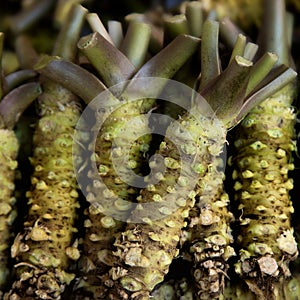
[[124, 204]]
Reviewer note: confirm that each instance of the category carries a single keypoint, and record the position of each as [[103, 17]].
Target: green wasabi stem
[[115, 31], [229, 32], [97, 26], [100, 228], [210, 61], [262, 161], [194, 16], [62, 10], [25, 51], [157, 32], [14, 79], [73, 77], [10, 62], [11, 108], [68, 35], [145, 250], [242, 48], [174, 26], [112, 65], [239, 46], [261, 69], [29, 16], [46, 245], [136, 42], [250, 51]]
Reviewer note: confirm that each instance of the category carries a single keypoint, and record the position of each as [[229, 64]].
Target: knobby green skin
[[263, 159], [12, 106], [44, 248], [207, 238], [173, 289], [233, 290], [8, 154], [147, 249], [100, 228]]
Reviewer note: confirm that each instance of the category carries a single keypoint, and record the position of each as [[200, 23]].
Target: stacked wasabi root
[[147, 247], [145, 250], [262, 162], [102, 226], [11, 107], [207, 238], [99, 227], [45, 247]]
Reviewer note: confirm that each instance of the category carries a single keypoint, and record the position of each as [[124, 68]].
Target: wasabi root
[[16, 101], [262, 164], [45, 247], [148, 246]]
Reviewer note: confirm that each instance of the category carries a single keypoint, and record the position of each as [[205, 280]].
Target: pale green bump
[[181, 202], [264, 164], [107, 136], [183, 181], [216, 239], [269, 177], [103, 170], [198, 168], [192, 194], [256, 184], [107, 222], [132, 164], [234, 175], [171, 189], [154, 236], [144, 148], [41, 185], [165, 210], [122, 205], [259, 248], [171, 163], [237, 186], [170, 223], [275, 133], [5, 208], [94, 157], [108, 194], [248, 122], [157, 198], [65, 183], [281, 153], [247, 174], [289, 185], [117, 152], [151, 187], [147, 221], [258, 145]]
